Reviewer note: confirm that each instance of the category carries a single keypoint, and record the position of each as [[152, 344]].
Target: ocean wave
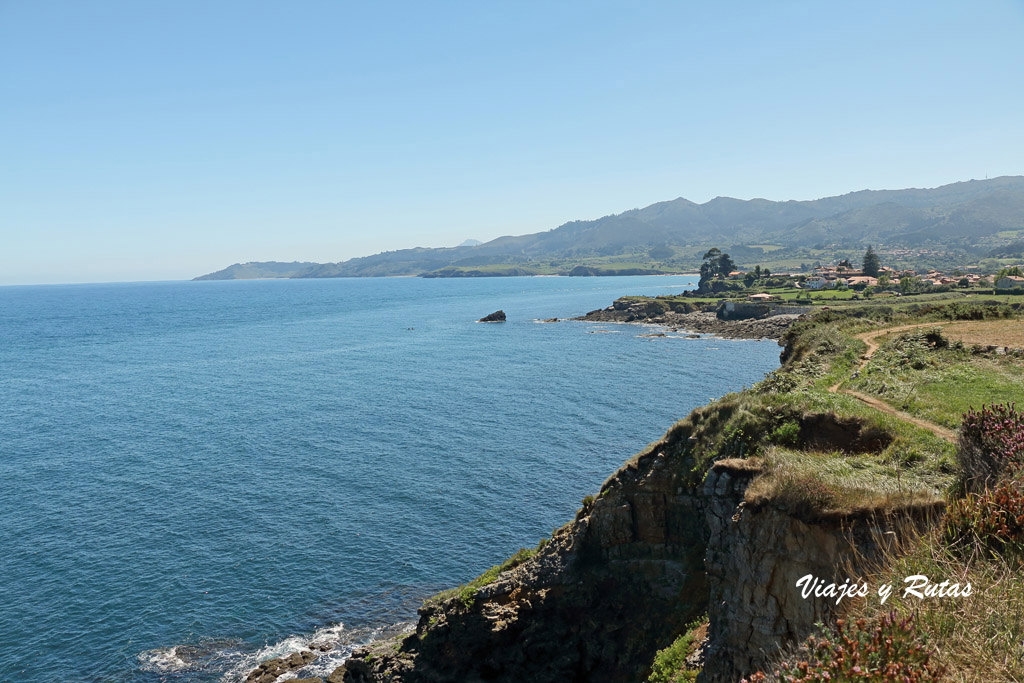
[[232, 662], [162, 660]]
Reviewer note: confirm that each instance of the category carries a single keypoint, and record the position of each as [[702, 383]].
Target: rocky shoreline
[[703, 322]]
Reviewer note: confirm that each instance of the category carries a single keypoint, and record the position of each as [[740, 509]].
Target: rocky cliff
[[756, 554]]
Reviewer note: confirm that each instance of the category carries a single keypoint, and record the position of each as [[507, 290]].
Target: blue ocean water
[[195, 476]]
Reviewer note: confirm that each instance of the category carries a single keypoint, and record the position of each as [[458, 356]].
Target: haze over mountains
[[960, 215]]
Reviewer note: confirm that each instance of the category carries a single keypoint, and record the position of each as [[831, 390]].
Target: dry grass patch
[[987, 333], [812, 484]]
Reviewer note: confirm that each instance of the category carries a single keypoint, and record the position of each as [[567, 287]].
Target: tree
[[749, 279], [716, 264], [726, 265], [912, 285], [871, 263]]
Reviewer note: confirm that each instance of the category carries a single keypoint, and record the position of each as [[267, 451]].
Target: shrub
[[787, 434], [669, 665], [991, 443], [776, 382], [886, 650], [992, 520]]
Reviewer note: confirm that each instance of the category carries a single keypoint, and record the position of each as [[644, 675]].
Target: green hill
[[970, 215]]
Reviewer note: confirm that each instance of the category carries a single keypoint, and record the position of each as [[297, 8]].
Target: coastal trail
[[870, 338]]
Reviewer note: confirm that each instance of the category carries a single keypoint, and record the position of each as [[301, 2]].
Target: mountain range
[[965, 215]]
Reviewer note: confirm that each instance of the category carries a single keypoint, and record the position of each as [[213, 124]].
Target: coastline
[[701, 322]]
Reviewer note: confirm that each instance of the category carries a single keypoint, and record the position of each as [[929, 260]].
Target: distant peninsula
[[259, 270], [942, 227]]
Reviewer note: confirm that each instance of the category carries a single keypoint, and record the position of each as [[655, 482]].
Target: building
[[861, 282], [819, 283], [1010, 282]]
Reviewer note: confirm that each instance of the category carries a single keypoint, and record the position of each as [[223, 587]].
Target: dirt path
[[878, 404]]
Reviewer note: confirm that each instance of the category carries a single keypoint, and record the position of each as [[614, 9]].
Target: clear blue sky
[[164, 139]]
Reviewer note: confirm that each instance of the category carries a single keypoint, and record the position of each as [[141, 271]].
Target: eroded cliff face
[[595, 604], [755, 555]]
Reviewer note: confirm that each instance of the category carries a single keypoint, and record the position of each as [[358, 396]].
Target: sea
[[197, 476]]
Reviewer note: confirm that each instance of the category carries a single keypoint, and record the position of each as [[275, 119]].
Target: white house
[[818, 283], [1010, 282]]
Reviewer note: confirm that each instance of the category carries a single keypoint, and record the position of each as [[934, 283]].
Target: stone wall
[[743, 310]]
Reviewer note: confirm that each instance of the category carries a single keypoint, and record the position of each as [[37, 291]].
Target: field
[[1008, 333]]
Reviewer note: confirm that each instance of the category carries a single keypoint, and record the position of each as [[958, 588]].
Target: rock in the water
[[270, 670], [496, 317]]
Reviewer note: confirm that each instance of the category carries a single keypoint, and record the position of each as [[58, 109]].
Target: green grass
[[939, 385], [501, 268]]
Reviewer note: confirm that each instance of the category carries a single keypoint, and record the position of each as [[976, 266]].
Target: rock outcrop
[[496, 317], [270, 670], [685, 317]]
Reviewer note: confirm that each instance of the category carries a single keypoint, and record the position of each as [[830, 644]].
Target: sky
[[165, 139]]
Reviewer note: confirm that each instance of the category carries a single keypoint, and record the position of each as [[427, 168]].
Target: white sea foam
[[342, 641], [162, 660]]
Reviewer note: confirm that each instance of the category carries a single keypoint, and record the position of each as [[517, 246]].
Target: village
[[878, 281]]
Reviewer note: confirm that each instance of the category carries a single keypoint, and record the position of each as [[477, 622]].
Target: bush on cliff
[[991, 444], [990, 518], [885, 650], [991, 521], [670, 665]]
